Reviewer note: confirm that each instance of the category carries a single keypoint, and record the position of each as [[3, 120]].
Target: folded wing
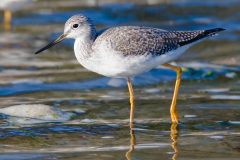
[[134, 40]]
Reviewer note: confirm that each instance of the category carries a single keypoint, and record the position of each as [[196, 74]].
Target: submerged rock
[[35, 113]]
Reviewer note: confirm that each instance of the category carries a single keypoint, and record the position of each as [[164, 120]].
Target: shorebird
[[10, 6], [126, 51]]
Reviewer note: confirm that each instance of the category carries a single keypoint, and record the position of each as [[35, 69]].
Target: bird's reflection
[[173, 136], [132, 143]]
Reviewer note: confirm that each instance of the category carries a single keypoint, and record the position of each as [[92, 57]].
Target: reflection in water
[[132, 143], [173, 136]]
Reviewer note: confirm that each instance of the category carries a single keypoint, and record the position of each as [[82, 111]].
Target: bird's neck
[[83, 44], [83, 48]]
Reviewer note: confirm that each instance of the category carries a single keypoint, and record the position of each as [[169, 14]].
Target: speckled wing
[[134, 40]]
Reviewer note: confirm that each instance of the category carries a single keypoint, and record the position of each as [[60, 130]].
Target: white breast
[[110, 63]]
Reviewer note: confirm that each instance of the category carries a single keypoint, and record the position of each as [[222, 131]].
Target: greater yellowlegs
[[125, 51], [9, 6]]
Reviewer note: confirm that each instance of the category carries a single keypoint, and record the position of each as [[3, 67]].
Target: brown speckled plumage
[[135, 40]]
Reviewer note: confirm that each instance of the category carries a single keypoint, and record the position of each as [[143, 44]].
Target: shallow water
[[208, 105]]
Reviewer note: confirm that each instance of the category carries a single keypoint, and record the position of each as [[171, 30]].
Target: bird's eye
[[75, 26]]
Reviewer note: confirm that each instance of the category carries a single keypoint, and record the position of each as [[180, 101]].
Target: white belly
[[112, 64]]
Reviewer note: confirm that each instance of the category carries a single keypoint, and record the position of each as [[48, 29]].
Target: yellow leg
[[7, 19], [132, 103], [174, 137], [173, 109]]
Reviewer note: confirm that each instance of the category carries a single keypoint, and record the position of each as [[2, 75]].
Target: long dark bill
[[58, 40]]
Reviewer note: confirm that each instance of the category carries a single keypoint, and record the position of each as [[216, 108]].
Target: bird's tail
[[194, 36], [212, 32]]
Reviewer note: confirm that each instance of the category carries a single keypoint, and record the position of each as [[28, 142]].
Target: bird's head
[[78, 26]]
